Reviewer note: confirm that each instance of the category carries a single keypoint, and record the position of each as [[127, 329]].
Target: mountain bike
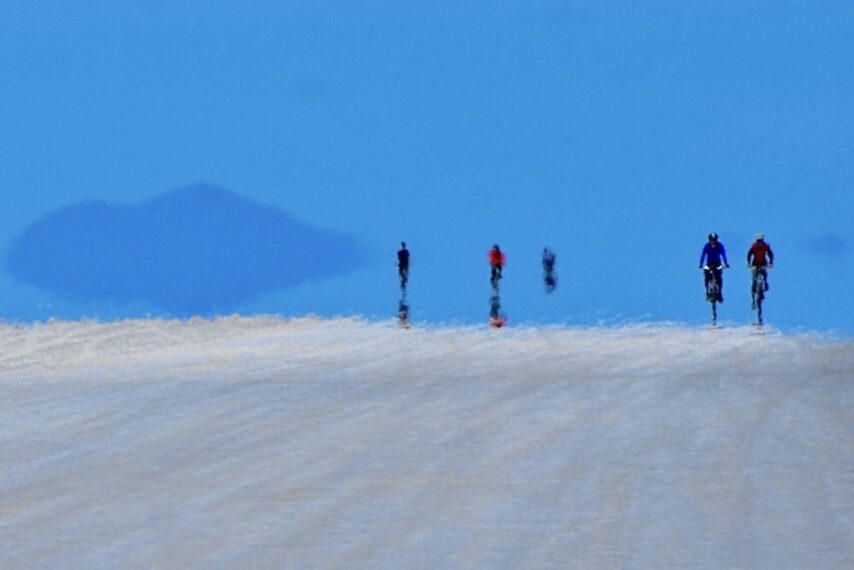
[[758, 287], [713, 290]]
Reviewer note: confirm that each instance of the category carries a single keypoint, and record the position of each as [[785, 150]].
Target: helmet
[[713, 236], [760, 236]]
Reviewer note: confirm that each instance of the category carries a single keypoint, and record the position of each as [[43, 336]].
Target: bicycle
[[713, 289], [758, 287]]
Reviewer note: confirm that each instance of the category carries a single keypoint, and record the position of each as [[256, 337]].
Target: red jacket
[[756, 255], [495, 257]]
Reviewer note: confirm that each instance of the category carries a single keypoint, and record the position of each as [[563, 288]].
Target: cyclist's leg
[[753, 273]]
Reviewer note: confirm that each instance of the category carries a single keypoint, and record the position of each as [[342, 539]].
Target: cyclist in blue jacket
[[714, 257]]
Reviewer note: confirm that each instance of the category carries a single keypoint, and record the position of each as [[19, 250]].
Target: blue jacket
[[713, 255]]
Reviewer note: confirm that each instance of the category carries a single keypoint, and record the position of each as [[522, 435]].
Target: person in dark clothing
[[713, 257], [549, 275], [760, 257], [403, 264]]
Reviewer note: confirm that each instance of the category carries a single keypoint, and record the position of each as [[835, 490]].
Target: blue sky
[[617, 133]]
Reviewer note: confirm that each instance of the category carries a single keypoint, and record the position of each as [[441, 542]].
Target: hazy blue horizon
[[618, 135]]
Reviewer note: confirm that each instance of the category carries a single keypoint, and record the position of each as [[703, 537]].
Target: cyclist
[[760, 257], [403, 263], [713, 257]]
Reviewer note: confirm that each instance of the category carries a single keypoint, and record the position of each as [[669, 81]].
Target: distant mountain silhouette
[[830, 245], [197, 250]]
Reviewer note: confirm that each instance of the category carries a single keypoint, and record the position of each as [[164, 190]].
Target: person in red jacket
[[759, 257], [496, 263]]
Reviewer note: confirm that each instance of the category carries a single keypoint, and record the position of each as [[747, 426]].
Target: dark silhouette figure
[[549, 275], [403, 265], [403, 274]]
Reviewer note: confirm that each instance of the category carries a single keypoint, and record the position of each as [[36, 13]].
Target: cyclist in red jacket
[[760, 256]]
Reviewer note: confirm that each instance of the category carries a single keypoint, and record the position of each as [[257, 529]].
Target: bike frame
[[713, 289]]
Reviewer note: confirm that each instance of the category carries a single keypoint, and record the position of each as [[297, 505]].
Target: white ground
[[262, 443]]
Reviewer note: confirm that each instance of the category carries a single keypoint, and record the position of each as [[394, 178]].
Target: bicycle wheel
[[713, 299], [759, 289], [758, 294]]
